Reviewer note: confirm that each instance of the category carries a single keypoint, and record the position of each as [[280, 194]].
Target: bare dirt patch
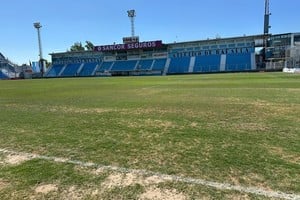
[[235, 180], [289, 157], [237, 197], [194, 124], [14, 159], [45, 189], [67, 109], [98, 171], [113, 180], [256, 180], [250, 179], [277, 109], [250, 127], [241, 126], [2, 160], [124, 180], [156, 193], [73, 193], [78, 193], [144, 111], [3, 184], [159, 124]]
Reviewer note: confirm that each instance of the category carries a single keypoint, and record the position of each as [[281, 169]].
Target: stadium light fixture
[[132, 15], [267, 17], [38, 26]]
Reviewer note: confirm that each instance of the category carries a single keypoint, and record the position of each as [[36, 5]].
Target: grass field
[[240, 129]]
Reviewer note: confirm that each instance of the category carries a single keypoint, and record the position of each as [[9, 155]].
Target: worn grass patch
[[286, 156], [3, 184]]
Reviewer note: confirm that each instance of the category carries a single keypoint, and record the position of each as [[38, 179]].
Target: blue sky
[[105, 22]]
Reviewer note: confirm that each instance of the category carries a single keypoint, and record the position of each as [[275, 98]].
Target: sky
[[104, 22]]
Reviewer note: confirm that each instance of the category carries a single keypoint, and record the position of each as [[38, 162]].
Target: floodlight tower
[[37, 25], [267, 18], [131, 15], [266, 29]]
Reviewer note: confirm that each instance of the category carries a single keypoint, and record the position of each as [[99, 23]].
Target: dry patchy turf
[[240, 129]]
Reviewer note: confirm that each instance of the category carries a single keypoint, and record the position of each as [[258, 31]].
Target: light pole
[[266, 30], [37, 25], [131, 15], [267, 17]]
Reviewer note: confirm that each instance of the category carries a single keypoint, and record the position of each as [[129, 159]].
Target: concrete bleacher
[[179, 65], [238, 62], [88, 69], [55, 70], [2, 57], [7, 68], [145, 64], [159, 64], [105, 66], [209, 63], [3, 76], [71, 70], [124, 65]]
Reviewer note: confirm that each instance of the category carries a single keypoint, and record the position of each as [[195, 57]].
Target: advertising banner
[[129, 46]]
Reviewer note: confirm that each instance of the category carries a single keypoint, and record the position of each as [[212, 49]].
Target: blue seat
[[105, 66], [159, 64], [55, 70], [88, 69], [238, 62], [179, 65], [71, 69], [124, 65], [209, 63], [145, 64], [3, 76]]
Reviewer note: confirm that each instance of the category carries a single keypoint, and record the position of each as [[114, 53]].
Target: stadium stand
[[124, 65], [55, 70], [145, 65], [238, 62], [3, 76], [235, 54], [105, 66], [71, 70], [179, 65], [8, 69], [159, 64], [88, 69], [2, 58], [210, 63]]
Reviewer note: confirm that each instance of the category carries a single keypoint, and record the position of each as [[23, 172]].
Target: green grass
[[234, 128]]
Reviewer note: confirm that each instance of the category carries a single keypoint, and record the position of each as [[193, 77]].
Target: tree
[[89, 46], [77, 46]]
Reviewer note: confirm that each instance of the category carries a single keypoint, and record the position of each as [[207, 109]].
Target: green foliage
[[89, 46], [77, 46]]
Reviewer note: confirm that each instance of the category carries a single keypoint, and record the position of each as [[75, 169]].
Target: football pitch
[[215, 136]]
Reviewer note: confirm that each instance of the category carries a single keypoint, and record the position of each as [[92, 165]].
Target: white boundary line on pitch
[[217, 185]]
